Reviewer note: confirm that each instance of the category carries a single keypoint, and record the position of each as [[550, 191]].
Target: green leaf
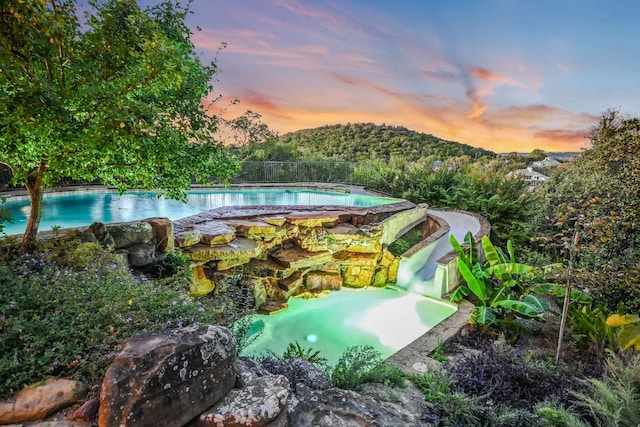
[[484, 316], [459, 294], [512, 253], [490, 252], [476, 286], [525, 308], [502, 270]]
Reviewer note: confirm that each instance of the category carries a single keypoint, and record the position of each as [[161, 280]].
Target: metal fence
[[349, 173]]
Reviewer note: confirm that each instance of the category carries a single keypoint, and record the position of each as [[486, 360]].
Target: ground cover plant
[[67, 308]]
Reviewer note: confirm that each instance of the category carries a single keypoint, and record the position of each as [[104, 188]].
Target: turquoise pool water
[[83, 208], [386, 319]]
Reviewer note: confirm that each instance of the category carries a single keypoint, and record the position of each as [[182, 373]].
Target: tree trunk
[[35, 187]]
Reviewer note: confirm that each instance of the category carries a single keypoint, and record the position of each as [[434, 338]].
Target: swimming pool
[[386, 319], [78, 209]]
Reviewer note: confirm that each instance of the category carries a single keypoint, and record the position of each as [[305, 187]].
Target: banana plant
[[498, 286]]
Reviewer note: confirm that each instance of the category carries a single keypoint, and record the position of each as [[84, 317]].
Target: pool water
[[66, 210], [386, 319]]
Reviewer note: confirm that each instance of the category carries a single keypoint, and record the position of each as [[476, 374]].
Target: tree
[[115, 98], [598, 196]]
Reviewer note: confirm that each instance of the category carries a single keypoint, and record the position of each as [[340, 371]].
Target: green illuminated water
[[386, 319]]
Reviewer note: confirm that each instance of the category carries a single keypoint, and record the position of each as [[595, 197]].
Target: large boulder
[[168, 378], [35, 403], [255, 405], [142, 254], [346, 408], [127, 234]]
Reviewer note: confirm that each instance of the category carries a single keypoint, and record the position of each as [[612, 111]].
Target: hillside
[[359, 142]]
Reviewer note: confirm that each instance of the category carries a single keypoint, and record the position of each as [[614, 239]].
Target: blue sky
[[500, 74]]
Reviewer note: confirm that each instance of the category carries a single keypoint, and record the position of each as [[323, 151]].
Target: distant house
[[548, 161], [530, 176]]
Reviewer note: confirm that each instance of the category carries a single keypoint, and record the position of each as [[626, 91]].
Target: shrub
[[296, 351], [449, 407], [613, 400], [297, 371], [67, 308], [246, 330], [504, 374], [354, 366]]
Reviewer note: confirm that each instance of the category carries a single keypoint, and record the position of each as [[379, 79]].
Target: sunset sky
[[504, 75]]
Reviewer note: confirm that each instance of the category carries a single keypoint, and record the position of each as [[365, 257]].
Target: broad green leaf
[[502, 270], [490, 252], [458, 249], [459, 294], [520, 307], [472, 247], [476, 286], [484, 316], [542, 304]]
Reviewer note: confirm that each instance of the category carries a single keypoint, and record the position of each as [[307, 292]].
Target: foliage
[[362, 363], [246, 330], [450, 408], [357, 142], [629, 332], [438, 353], [588, 329], [500, 287], [297, 371], [232, 298], [613, 400], [597, 194], [68, 308], [295, 350], [174, 262], [5, 214], [504, 374], [405, 242], [116, 97]]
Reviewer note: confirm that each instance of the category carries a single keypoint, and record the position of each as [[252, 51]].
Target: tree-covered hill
[[358, 142]]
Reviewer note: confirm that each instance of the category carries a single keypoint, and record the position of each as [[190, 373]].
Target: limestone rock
[[256, 230], [239, 248], [201, 281], [336, 407], [255, 405], [357, 276], [142, 254], [163, 232], [380, 278], [35, 403], [215, 232], [168, 378], [392, 274], [128, 234], [265, 268], [298, 259], [318, 218], [185, 237], [323, 281]]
